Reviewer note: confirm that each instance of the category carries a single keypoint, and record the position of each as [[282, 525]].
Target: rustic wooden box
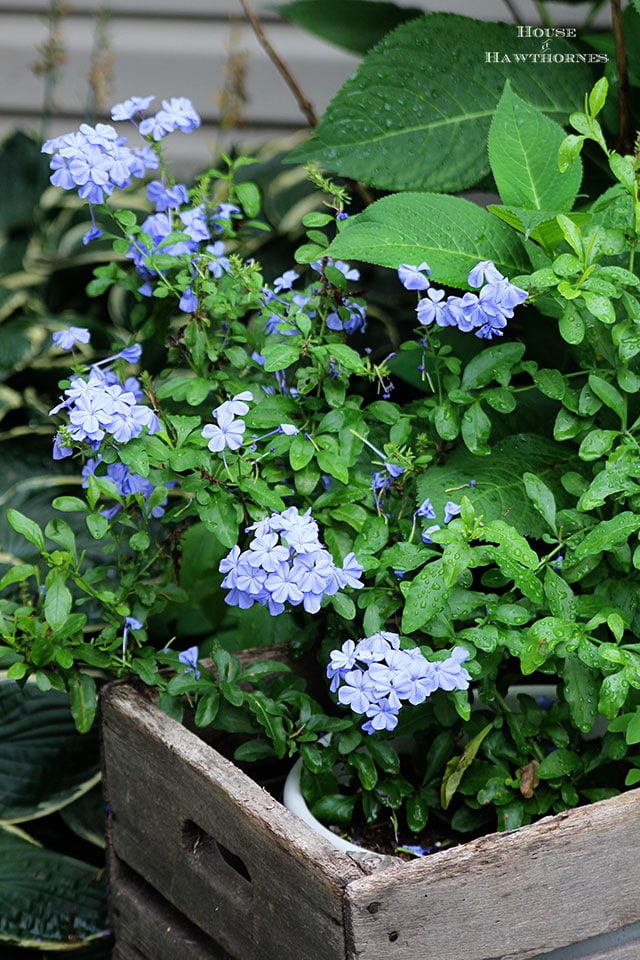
[[242, 878]]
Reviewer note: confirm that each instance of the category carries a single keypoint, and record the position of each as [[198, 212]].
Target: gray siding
[[154, 49]]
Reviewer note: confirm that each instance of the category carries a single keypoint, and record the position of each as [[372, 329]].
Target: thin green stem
[[545, 16]]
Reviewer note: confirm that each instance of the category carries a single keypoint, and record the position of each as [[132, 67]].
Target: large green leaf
[[49, 901], [355, 25], [499, 492], [523, 150], [450, 233], [87, 816], [416, 115], [44, 762]]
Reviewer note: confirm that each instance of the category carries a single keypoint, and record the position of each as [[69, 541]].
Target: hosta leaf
[[523, 147], [49, 901], [44, 762], [400, 121], [450, 233], [87, 816]]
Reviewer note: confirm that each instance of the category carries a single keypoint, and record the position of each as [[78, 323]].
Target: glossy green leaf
[[403, 104], [49, 901], [355, 25], [44, 762], [523, 147], [450, 233]]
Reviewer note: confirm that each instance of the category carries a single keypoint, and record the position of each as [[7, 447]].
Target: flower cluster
[[426, 511], [286, 563], [485, 313], [101, 405], [283, 306], [374, 677]]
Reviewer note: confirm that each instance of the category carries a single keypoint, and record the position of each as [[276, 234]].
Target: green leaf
[[523, 147], [608, 534], [571, 325], [402, 106], [355, 25], [28, 528], [279, 356], [221, 518], [558, 764], [581, 691], [84, 701], [57, 599], [609, 395], [49, 901], [541, 497], [492, 363], [499, 491], [457, 766], [87, 816], [475, 428], [450, 233], [44, 762], [425, 597]]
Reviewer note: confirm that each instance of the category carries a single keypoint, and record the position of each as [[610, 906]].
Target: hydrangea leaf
[[355, 25], [44, 762], [49, 901], [450, 233], [499, 492], [523, 147], [400, 122]]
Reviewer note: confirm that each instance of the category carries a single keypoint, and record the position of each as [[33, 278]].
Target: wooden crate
[[256, 883]]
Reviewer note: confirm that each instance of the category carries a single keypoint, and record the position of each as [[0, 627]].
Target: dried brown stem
[[303, 103], [625, 134]]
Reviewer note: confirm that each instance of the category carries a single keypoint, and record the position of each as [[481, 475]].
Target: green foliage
[[355, 25], [398, 124], [488, 492]]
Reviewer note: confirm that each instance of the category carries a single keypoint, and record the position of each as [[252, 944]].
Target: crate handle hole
[[202, 845]]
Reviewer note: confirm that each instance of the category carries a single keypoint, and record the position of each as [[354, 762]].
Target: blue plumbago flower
[[67, 339], [374, 677], [167, 198], [413, 278], [348, 272], [177, 113], [128, 109], [433, 307], [130, 623], [426, 534], [216, 261], [228, 431], [451, 510], [426, 510], [127, 484], [351, 317], [286, 281], [485, 313], [101, 405], [286, 563], [190, 659]]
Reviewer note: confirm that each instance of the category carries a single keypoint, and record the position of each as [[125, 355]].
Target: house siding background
[[192, 48]]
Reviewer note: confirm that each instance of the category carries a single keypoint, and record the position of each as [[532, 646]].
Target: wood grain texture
[[146, 927], [508, 896], [217, 846]]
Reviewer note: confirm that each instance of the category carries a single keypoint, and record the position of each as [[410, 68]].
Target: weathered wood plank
[[222, 850], [146, 927], [508, 896]]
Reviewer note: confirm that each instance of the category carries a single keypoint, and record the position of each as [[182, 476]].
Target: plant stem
[[545, 18], [303, 103], [512, 10], [595, 7], [625, 136]]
